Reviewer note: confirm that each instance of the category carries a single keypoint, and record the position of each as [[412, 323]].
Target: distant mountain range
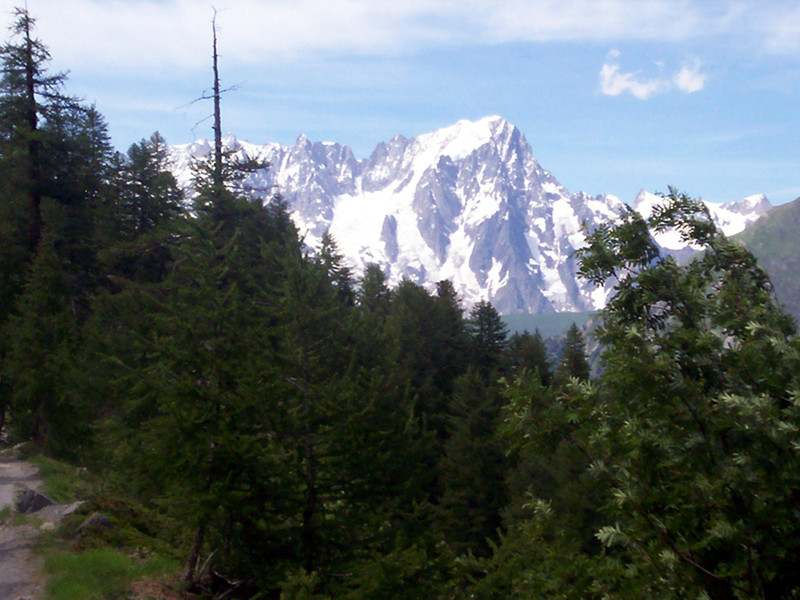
[[468, 203]]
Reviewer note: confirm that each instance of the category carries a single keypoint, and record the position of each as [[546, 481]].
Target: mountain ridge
[[468, 202]]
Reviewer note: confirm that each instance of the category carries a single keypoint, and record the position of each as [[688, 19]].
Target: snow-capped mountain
[[467, 203], [731, 218]]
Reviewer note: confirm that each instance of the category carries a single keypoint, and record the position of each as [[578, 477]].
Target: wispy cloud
[[783, 28], [613, 82], [169, 34]]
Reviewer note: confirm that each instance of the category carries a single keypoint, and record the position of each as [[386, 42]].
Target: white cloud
[[689, 79], [173, 34], [613, 82]]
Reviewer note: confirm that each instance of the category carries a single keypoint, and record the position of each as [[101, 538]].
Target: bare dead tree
[[217, 176]]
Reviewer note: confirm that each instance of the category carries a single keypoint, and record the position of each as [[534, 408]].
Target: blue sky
[[613, 95]]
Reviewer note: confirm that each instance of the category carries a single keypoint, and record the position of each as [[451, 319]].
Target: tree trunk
[[34, 165], [194, 553], [312, 494], [217, 119]]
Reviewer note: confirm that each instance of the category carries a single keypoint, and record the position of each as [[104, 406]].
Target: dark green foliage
[[528, 351], [29, 96], [339, 275], [373, 293], [691, 433], [140, 220], [41, 341], [423, 328], [149, 197], [473, 468], [573, 362], [488, 338]]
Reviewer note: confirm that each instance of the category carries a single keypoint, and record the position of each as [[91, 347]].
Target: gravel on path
[[19, 567]]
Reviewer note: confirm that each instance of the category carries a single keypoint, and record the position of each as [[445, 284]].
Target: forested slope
[[314, 436]]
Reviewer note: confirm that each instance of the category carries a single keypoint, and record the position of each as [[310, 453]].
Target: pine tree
[[150, 196], [54, 159], [139, 223], [473, 469], [573, 362], [488, 338], [29, 95], [528, 351], [373, 293], [41, 340]]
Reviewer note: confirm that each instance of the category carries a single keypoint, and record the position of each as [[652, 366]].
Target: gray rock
[[56, 512], [94, 521], [27, 501]]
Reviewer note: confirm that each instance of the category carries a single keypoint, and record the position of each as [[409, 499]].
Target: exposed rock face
[[27, 501], [467, 203], [94, 521]]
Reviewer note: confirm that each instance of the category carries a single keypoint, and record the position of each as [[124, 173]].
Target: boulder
[[27, 501], [95, 521]]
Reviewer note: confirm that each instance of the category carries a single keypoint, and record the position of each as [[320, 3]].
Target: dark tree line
[[320, 435]]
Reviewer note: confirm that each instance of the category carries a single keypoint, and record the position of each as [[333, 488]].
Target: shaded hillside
[[775, 242]]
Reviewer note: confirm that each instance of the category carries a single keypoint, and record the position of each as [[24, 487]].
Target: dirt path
[[19, 567]]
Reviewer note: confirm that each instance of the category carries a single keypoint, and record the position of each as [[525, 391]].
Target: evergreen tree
[[28, 95], [54, 171], [573, 362], [338, 273], [149, 195], [451, 329], [414, 352], [373, 293], [528, 351], [41, 341], [139, 222], [473, 468], [488, 338]]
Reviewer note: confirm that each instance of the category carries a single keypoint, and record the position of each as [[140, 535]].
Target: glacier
[[468, 203]]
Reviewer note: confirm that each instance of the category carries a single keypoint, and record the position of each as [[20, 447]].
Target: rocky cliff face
[[467, 203]]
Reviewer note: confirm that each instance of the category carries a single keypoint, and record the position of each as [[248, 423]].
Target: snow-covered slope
[[467, 203], [731, 218]]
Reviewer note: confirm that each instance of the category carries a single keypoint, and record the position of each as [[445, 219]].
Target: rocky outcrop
[[468, 203]]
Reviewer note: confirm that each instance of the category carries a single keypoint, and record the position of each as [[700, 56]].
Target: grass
[[100, 573], [137, 553], [62, 482]]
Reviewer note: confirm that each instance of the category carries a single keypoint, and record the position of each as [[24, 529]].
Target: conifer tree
[[373, 293], [54, 169], [29, 95], [41, 339], [488, 338], [150, 196], [473, 470], [142, 215], [573, 362], [528, 351]]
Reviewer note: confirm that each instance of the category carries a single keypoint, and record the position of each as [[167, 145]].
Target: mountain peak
[[464, 137], [468, 203]]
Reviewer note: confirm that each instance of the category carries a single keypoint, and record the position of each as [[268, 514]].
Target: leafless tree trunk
[[217, 118]]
